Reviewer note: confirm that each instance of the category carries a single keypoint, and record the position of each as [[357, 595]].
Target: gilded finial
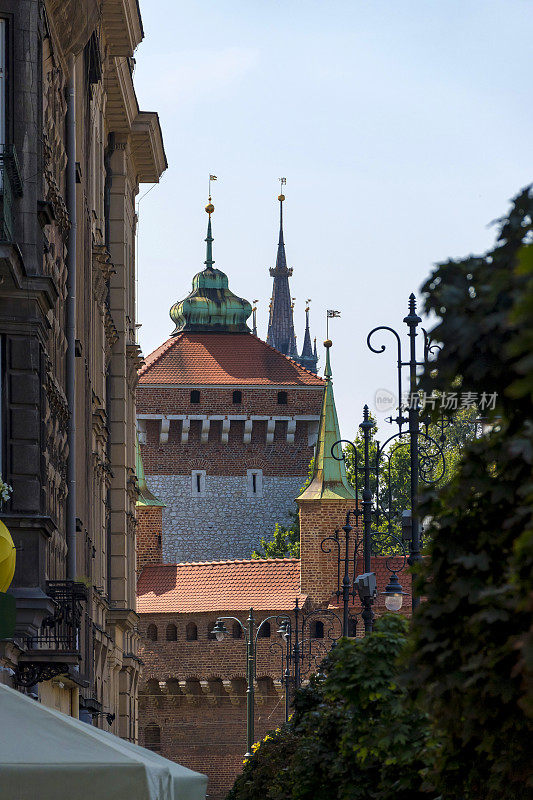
[[328, 343], [281, 197]]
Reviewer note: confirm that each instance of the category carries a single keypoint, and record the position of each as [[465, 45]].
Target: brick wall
[[218, 400], [200, 706], [318, 570], [149, 536]]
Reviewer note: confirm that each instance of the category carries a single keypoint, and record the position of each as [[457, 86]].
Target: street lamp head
[[284, 630], [219, 630], [393, 594], [366, 586]]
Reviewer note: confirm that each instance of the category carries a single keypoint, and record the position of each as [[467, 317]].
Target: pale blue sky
[[403, 128]]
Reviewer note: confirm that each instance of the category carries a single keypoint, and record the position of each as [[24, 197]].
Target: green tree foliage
[[393, 493], [354, 735], [285, 541], [472, 649]]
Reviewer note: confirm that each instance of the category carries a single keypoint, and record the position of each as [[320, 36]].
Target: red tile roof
[[261, 584], [222, 358]]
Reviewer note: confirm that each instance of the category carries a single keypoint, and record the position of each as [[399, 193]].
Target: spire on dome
[[280, 325], [211, 307], [329, 480]]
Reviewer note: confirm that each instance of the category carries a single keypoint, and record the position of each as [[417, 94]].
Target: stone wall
[[224, 522]]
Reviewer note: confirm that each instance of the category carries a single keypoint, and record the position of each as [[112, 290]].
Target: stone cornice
[[122, 26], [147, 148]]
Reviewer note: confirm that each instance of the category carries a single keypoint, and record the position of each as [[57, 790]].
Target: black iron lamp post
[[364, 585], [251, 633], [302, 651], [421, 459]]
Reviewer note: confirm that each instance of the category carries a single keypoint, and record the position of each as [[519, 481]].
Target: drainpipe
[[71, 321], [108, 180]]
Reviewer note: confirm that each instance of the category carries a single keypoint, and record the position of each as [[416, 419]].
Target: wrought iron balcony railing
[[61, 631], [58, 644], [10, 186]]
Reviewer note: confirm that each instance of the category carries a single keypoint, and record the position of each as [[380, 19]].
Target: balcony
[[10, 186], [58, 644]]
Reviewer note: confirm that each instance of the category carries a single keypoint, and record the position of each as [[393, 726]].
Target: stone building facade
[[74, 149], [227, 426]]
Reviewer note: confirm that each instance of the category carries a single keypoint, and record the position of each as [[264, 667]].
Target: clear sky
[[403, 128]]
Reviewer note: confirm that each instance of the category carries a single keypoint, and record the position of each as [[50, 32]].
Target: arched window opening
[[237, 396], [318, 630], [236, 631], [151, 632], [195, 396], [152, 738], [172, 633], [153, 687], [210, 626], [264, 631], [191, 632], [282, 398]]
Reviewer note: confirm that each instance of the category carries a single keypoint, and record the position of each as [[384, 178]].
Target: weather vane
[[211, 178], [282, 181], [331, 314]]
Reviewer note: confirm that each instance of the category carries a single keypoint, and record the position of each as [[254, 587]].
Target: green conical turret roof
[[329, 480], [211, 307], [145, 498]]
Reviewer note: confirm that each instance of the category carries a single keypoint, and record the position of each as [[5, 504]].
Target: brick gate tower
[[227, 425]]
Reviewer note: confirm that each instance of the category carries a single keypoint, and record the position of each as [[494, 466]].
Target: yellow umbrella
[[7, 558]]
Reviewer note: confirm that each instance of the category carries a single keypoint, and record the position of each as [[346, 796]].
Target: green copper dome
[[211, 307]]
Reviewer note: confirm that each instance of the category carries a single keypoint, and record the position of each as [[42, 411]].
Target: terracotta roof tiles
[[223, 358], [261, 584]]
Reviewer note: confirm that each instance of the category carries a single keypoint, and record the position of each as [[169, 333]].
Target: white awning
[[47, 755]]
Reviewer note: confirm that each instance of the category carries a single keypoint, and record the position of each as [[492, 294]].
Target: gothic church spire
[[280, 325]]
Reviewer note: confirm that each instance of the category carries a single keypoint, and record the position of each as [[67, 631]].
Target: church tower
[[281, 320]]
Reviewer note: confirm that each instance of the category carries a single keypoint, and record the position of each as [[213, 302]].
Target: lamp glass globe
[[393, 602]]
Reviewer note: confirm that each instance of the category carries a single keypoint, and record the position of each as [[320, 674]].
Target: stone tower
[[227, 425], [324, 503]]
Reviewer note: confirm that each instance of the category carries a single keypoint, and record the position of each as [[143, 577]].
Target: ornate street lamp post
[[251, 633], [418, 470], [302, 650], [365, 584]]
